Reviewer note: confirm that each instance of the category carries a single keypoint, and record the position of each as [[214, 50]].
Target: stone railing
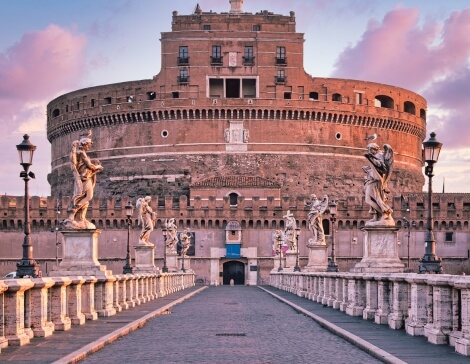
[[36, 307], [434, 306]]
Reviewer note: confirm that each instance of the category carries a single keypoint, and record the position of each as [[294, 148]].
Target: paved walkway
[[231, 324]]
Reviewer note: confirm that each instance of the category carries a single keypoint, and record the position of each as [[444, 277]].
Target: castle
[[233, 130]]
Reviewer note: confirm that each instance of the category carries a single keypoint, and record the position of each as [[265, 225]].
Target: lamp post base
[[332, 267], [430, 264], [128, 269], [28, 269]]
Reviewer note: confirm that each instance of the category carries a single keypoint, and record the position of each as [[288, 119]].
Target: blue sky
[[51, 47]]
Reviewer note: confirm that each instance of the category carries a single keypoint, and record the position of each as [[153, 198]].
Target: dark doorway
[[234, 270], [232, 88]]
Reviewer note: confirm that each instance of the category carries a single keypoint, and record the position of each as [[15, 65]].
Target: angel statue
[[315, 217], [289, 231], [277, 242], [146, 218], [171, 235], [375, 185], [84, 172], [185, 238]]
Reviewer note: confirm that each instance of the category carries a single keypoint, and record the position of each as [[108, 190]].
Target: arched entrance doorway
[[234, 270]]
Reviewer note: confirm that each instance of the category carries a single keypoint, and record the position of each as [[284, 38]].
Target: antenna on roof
[[443, 184]]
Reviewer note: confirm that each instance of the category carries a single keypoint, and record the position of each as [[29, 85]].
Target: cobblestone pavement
[[226, 324]]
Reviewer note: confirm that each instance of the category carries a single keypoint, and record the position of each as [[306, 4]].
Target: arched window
[[409, 107], [233, 199], [384, 101]]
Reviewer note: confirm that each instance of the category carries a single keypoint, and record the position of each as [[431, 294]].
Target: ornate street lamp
[[129, 212], [279, 244], [430, 263], [182, 258], [27, 266], [297, 234], [165, 235], [332, 266]]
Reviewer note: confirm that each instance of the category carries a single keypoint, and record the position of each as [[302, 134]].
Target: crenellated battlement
[[451, 211]]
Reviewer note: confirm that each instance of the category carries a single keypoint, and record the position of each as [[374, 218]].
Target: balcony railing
[[248, 61], [183, 61], [217, 60], [183, 79], [281, 61], [279, 79]]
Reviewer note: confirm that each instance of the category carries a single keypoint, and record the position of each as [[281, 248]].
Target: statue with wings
[[376, 191], [147, 219], [171, 235], [315, 217]]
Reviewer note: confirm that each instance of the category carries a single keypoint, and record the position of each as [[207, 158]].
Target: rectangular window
[[216, 54], [92, 102], [281, 55], [107, 100], [206, 27], [256, 28], [175, 95], [449, 236], [287, 95], [248, 58], [184, 75], [183, 57], [359, 98], [280, 76]]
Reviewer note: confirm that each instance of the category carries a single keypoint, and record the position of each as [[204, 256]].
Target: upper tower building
[[233, 99]]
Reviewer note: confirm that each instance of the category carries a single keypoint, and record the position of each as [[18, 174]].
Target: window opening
[[183, 57], [216, 54], [232, 88], [248, 58], [281, 56]]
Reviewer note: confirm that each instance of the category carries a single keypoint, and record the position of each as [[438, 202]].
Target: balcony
[[183, 80], [217, 61], [281, 61], [183, 61], [280, 79], [248, 61]]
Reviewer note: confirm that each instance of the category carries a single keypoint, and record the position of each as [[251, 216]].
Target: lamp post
[[182, 257], [165, 234], [279, 243], [408, 225], [430, 263], [297, 234], [27, 266], [129, 212], [56, 235], [332, 266]]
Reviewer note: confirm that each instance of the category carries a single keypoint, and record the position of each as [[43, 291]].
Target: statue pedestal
[[291, 257], [80, 255], [145, 259], [317, 258], [276, 263], [380, 251], [172, 262]]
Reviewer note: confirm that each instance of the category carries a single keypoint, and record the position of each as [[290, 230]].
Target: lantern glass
[[432, 148], [26, 151], [129, 209], [332, 206]]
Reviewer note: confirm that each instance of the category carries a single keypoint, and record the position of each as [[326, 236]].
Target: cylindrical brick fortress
[[232, 98]]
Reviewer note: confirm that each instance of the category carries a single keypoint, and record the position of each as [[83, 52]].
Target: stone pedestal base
[[462, 346], [380, 251], [291, 257], [172, 262], [317, 258], [80, 255], [276, 263], [145, 259]]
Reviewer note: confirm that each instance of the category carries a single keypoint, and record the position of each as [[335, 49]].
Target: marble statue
[[171, 235], [289, 231], [375, 185], [185, 238], [315, 217], [146, 218], [277, 242], [84, 172]]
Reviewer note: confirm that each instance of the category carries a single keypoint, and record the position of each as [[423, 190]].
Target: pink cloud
[[401, 52], [42, 63]]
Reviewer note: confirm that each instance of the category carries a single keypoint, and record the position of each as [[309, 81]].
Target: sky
[[52, 47]]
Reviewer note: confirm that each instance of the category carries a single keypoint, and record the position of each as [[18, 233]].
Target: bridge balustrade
[[36, 307], [434, 306]]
